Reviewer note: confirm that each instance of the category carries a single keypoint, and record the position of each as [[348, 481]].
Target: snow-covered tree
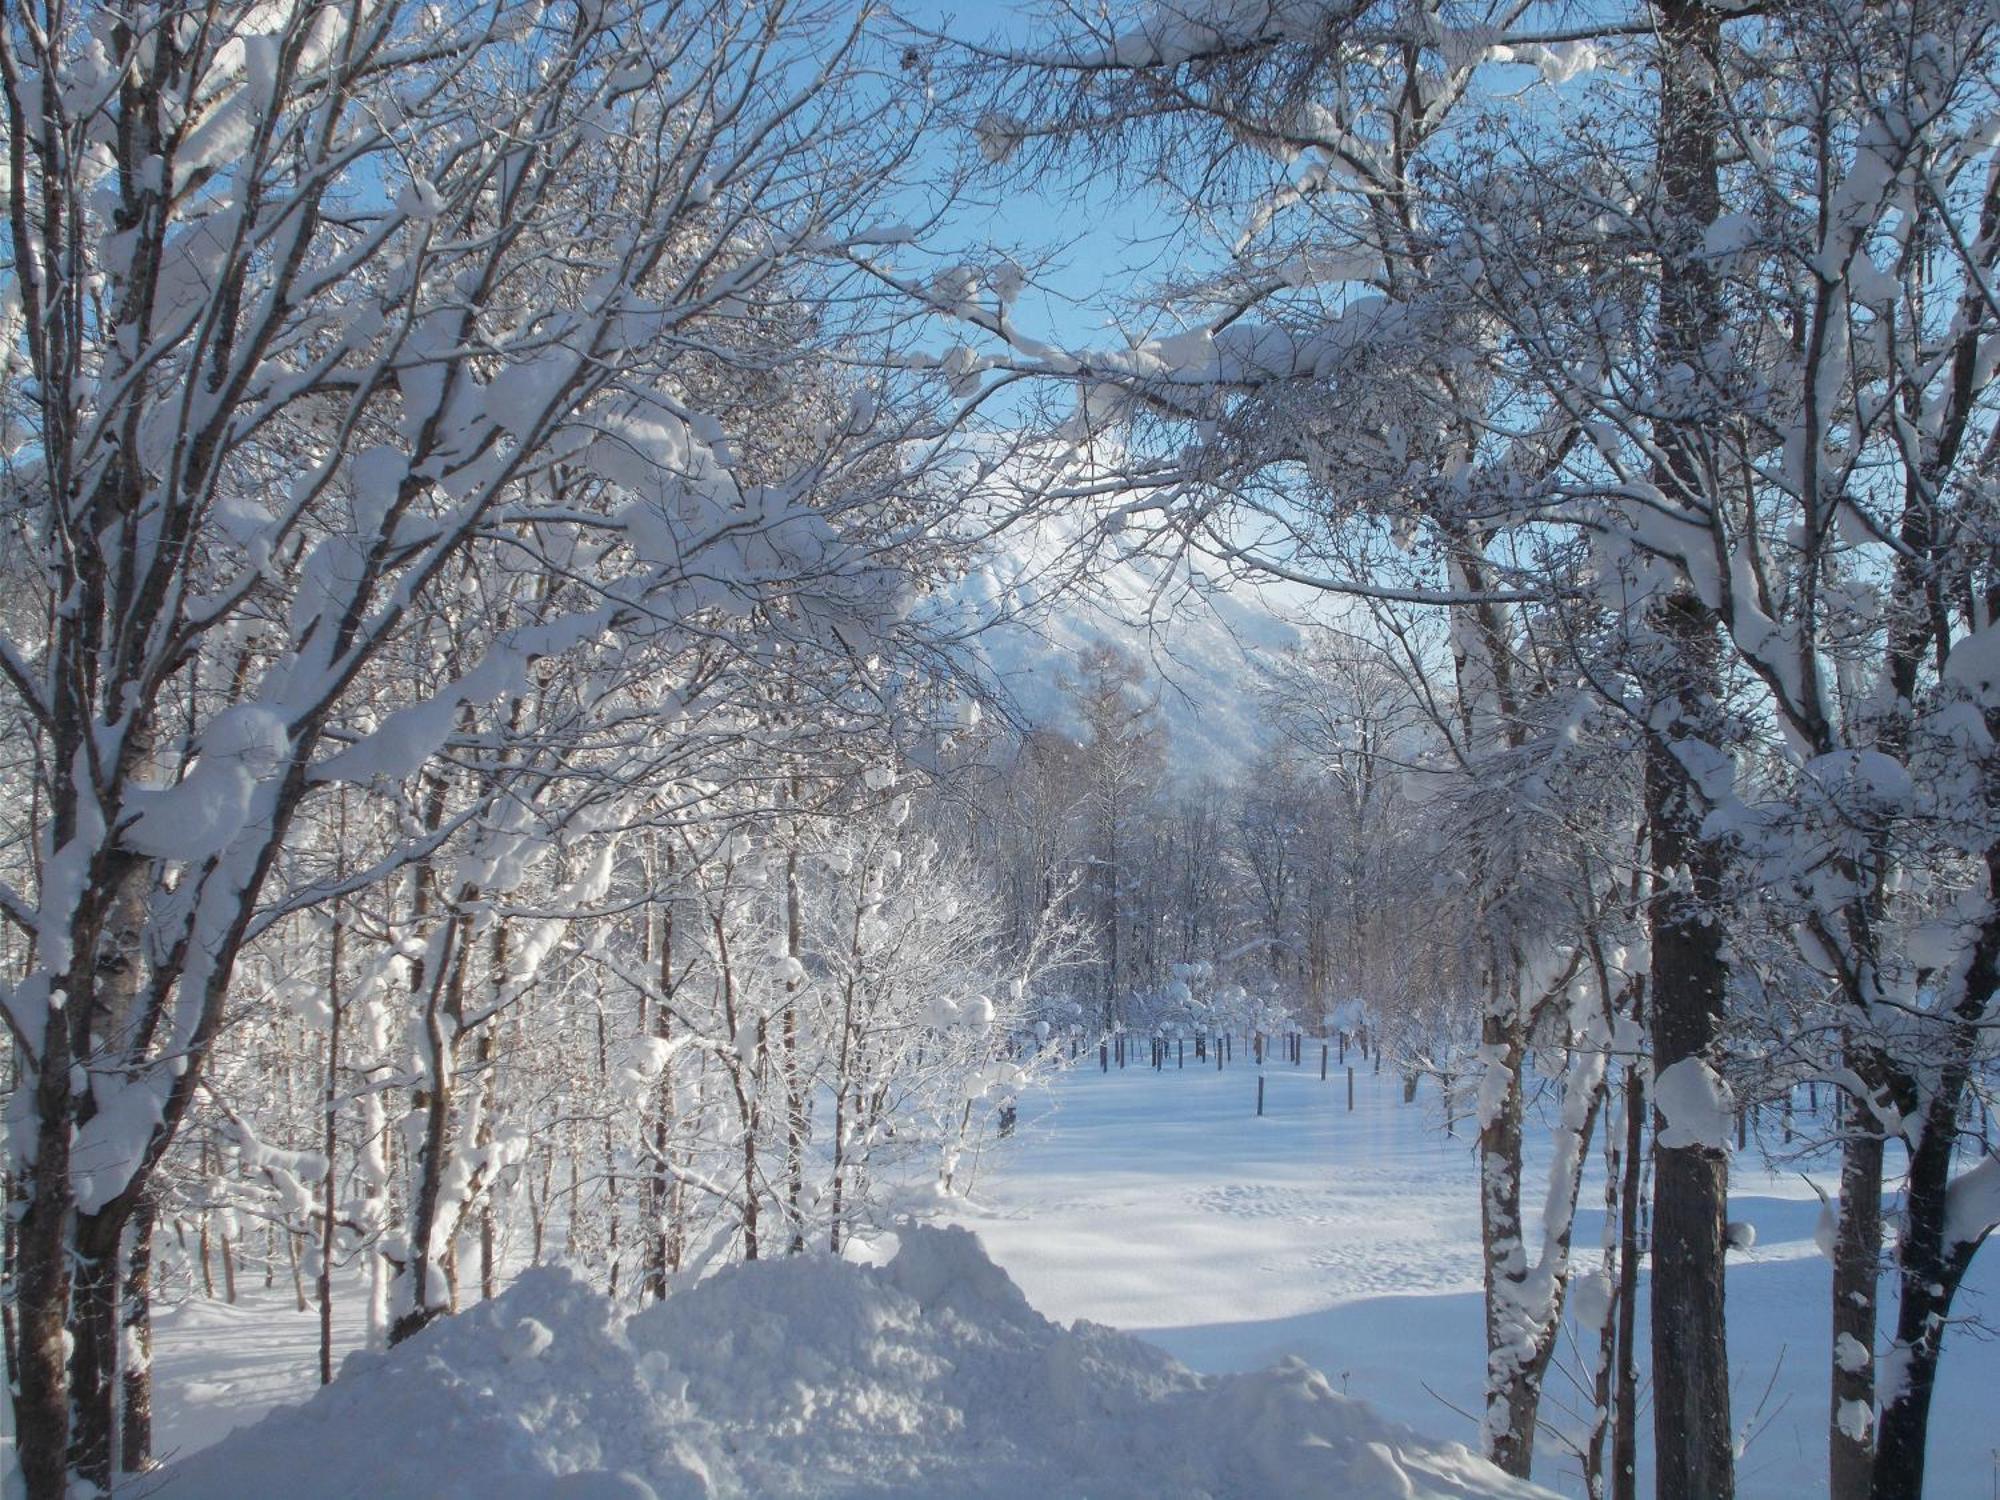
[[315, 314], [1674, 371]]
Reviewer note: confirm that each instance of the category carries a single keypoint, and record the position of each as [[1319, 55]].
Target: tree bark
[[797, 1122], [1930, 1265], [663, 1254], [1625, 1408], [1693, 1441], [330, 1142], [608, 1143], [42, 1289], [1930, 1279], [93, 1329], [1608, 1353], [442, 1010], [1857, 1251], [744, 1084], [1508, 1426], [135, 1433]]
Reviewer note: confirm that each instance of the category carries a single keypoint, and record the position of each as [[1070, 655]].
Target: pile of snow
[[929, 1376]]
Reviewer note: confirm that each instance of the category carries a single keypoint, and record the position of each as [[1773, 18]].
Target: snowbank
[[930, 1376]]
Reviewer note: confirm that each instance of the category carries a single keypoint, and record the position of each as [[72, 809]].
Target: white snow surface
[[1163, 1205], [1696, 1105], [928, 1376], [1972, 1204], [1855, 1419]]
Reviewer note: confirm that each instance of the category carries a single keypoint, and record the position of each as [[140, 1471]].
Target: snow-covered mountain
[[1057, 590]]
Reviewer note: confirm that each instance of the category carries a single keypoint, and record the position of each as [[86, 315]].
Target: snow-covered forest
[[631, 630]]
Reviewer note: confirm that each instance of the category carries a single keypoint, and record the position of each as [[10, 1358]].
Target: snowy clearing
[[1157, 1203], [1160, 1203]]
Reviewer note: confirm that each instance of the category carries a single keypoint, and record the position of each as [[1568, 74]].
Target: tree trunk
[[93, 1329], [1857, 1253], [1693, 1441], [751, 1201], [423, 1270], [743, 1082], [1508, 1425], [201, 1245], [1930, 1280], [662, 1250], [1931, 1265], [797, 1124], [1607, 1353], [839, 1174], [10, 1331], [41, 1298], [329, 1204], [1525, 1292], [1694, 1453], [609, 1145], [662, 1253], [135, 1434], [498, 965], [1625, 1407]]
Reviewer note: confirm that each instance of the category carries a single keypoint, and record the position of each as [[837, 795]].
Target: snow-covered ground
[[218, 1367], [809, 1379], [1160, 1204]]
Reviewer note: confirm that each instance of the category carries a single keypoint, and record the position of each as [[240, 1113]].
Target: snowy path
[[1161, 1204]]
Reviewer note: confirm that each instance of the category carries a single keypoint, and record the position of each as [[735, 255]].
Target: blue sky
[[1104, 243]]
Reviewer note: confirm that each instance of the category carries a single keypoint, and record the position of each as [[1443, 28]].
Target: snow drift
[[927, 1377]]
